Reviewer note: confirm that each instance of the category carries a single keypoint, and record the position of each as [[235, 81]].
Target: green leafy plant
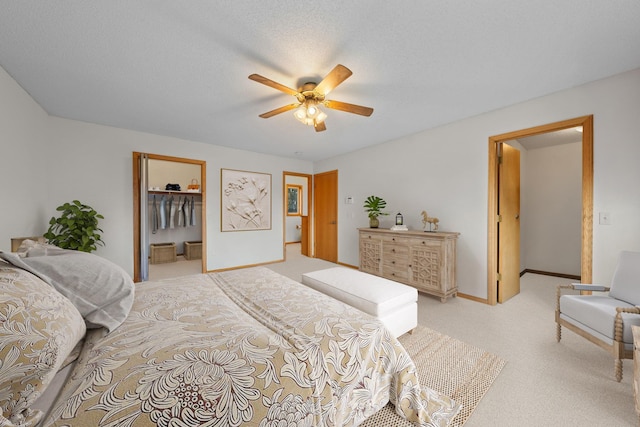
[[77, 228], [373, 205]]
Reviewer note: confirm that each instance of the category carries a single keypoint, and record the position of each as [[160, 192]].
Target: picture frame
[[294, 200], [245, 200]]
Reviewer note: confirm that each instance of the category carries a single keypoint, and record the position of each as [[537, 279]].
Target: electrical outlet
[[605, 218]]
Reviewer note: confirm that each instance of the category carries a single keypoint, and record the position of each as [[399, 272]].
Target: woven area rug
[[459, 370]]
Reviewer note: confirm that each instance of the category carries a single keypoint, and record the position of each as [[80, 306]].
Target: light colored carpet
[[545, 383], [459, 370]]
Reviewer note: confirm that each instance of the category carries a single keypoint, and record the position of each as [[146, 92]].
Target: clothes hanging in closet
[[172, 212], [154, 216]]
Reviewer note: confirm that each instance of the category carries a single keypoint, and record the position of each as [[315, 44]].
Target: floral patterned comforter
[[243, 347]]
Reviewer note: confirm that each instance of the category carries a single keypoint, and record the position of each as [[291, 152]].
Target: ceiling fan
[[311, 96]]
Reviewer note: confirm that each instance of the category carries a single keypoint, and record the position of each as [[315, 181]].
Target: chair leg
[[618, 370], [558, 332]]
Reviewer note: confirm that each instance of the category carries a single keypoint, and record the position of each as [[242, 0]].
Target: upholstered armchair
[[605, 319]]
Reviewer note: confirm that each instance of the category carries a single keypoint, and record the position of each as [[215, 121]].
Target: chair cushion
[[372, 294], [625, 284], [598, 312]]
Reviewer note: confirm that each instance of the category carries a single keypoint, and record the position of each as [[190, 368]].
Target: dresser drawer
[[370, 236], [395, 273], [393, 250], [396, 262], [391, 239]]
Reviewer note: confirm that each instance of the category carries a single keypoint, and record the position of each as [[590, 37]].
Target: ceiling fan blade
[[349, 108], [278, 111], [336, 76], [265, 81], [319, 126]]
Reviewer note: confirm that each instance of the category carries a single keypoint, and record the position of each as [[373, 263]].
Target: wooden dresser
[[424, 260]]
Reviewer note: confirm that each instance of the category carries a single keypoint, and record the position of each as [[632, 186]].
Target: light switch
[[605, 218]]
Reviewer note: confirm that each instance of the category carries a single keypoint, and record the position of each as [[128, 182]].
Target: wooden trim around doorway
[[586, 263], [136, 206], [284, 210]]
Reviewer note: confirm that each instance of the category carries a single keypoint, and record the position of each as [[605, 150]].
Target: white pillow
[[102, 291]]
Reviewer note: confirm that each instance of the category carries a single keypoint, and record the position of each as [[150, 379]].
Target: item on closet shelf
[[172, 187], [194, 186], [163, 252]]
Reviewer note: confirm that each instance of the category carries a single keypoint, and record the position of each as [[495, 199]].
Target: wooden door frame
[[136, 205], [586, 259], [284, 209]]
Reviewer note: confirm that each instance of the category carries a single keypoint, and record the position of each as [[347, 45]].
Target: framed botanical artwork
[[294, 200], [245, 201]]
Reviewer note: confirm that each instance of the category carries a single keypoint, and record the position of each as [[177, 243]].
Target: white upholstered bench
[[395, 304]]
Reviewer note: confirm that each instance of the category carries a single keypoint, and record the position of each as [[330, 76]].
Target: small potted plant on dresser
[[373, 205]]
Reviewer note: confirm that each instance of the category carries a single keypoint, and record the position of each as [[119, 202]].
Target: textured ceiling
[[180, 68]]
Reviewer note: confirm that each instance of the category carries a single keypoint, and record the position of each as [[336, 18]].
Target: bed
[[241, 347]]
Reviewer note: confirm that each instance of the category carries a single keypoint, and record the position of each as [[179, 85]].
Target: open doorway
[[169, 196], [297, 202], [497, 262]]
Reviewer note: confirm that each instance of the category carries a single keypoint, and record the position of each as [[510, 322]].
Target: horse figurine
[[426, 219]]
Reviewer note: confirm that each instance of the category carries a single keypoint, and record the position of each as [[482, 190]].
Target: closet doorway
[[497, 259], [168, 221], [297, 200]]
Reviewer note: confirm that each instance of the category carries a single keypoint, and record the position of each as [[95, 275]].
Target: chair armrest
[[584, 287], [588, 287], [577, 287]]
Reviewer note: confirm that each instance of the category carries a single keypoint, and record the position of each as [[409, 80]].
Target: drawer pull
[[393, 262], [393, 250]]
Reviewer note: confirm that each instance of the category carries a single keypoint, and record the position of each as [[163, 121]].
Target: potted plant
[[373, 205], [77, 228]]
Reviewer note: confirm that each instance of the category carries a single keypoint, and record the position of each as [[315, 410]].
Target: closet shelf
[[194, 193]]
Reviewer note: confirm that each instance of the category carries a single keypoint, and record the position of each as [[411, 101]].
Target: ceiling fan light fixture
[[312, 110], [309, 113], [321, 116], [310, 96], [301, 113]]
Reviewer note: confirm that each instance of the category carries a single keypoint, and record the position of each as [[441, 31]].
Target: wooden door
[[509, 222], [325, 190]]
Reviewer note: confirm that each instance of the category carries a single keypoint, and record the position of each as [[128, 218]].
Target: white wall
[[53, 160], [23, 165], [444, 171], [46, 161], [551, 208]]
